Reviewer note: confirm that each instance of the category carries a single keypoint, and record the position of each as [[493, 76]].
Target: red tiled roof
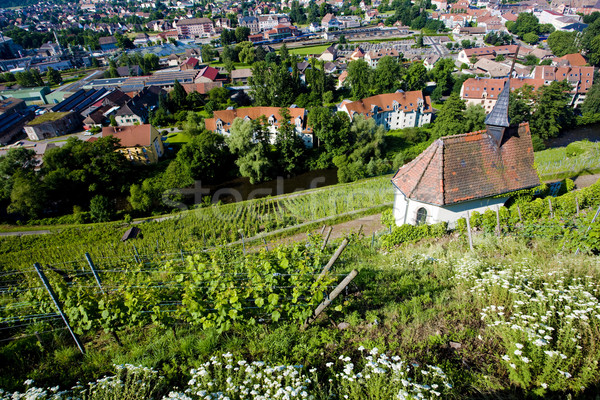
[[209, 72], [202, 88], [408, 102], [467, 167], [473, 88], [492, 50], [130, 136], [253, 113], [582, 77], [575, 59]]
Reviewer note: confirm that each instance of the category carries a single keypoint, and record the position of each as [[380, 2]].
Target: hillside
[[517, 316]]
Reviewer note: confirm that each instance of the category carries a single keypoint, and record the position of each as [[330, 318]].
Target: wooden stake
[[334, 257], [326, 238], [497, 220], [332, 296], [590, 227], [577, 205], [550, 205], [519, 211], [91, 264], [323, 229], [469, 232], [42, 276]]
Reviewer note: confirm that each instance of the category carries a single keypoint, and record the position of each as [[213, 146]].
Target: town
[[303, 199]]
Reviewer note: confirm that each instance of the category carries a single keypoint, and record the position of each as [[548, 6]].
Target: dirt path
[[586, 180], [370, 223]]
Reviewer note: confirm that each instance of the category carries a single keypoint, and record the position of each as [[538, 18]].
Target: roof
[[107, 40], [130, 136], [209, 72], [49, 117], [407, 101], [241, 73], [473, 88], [575, 59], [582, 76], [460, 168], [252, 113], [492, 50], [202, 87], [373, 55], [194, 21], [499, 114]]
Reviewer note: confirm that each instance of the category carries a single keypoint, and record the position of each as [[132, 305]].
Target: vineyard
[[197, 229]]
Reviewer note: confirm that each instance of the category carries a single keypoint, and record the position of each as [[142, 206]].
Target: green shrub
[[575, 149], [387, 218]]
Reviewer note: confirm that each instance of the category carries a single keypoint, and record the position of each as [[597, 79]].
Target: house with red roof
[[207, 74], [572, 60], [486, 91], [223, 119], [190, 63], [580, 79], [140, 144], [459, 174], [392, 110]]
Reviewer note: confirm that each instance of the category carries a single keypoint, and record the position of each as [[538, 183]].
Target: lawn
[[578, 158], [178, 138], [304, 51]]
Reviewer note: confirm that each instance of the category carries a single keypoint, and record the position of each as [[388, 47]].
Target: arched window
[[421, 216]]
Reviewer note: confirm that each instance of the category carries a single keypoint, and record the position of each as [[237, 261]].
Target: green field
[[304, 51], [178, 138], [579, 158]]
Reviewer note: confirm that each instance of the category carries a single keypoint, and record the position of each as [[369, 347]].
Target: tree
[[450, 119], [332, 132], [553, 111], [27, 197], [123, 42], [562, 43], [420, 42], [53, 76], [519, 105], [242, 33], [358, 78], [249, 142], [500, 57], [284, 53], [386, 75], [151, 62], [19, 160], [259, 53], [531, 38], [442, 74], [178, 95], [208, 53], [227, 37], [525, 23], [473, 59], [591, 104], [246, 52], [416, 76], [272, 85], [290, 147], [113, 120], [205, 156], [101, 209], [531, 60], [474, 118]]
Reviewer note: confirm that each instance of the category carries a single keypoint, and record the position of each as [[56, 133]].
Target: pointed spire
[[499, 114]]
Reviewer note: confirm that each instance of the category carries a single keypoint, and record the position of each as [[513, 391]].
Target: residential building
[[131, 113], [485, 91], [464, 56], [461, 174], [141, 144], [207, 74], [373, 57], [392, 110], [330, 54], [570, 60], [250, 23], [195, 27], [270, 21], [222, 120], [108, 43], [330, 22], [240, 76], [580, 79]]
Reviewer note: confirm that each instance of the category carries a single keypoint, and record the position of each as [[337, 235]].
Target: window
[[421, 216]]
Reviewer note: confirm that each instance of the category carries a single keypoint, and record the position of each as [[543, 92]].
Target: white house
[[222, 120], [392, 110], [466, 173]]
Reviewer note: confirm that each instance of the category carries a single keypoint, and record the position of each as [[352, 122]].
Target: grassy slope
[[406, 302]]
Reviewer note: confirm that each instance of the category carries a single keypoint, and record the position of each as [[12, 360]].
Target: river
[[590, 132], [240, 189]]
